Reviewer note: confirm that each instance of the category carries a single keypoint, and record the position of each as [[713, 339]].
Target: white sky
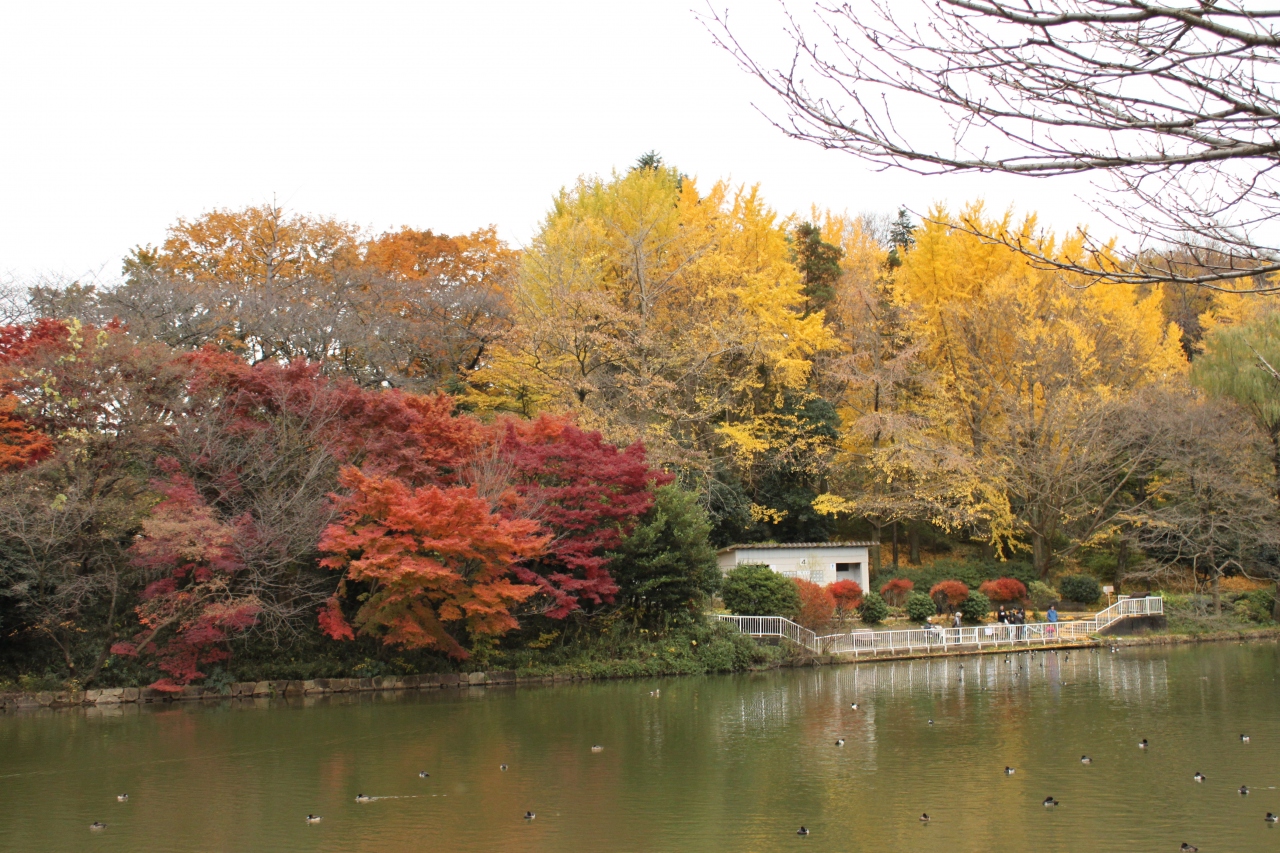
[[117, 118]]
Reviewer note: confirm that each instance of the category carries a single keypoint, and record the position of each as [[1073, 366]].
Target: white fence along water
[[939, 639]]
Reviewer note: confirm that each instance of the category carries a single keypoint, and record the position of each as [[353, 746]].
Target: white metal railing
[[937, 639]]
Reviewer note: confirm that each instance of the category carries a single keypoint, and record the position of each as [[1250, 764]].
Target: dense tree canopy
[[279, 429]]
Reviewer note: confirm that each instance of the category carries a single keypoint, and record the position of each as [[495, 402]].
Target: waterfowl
[[655, 692], [802, 831], [1199, 777], [502, 767], [422, 774], [1084, 759], [924, 818], [1270, 818], [361, 798], [597, 748], [314, 818], [854, 706], [97, 825], [529, 815], [1244, 789], [931, 722], [1244, 738], [839, 741], [1009, 771], [1049, 802], [1187, 848], [122, 798], [1143, 744]]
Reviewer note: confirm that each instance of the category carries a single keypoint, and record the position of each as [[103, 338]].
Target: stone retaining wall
[[269, 689]]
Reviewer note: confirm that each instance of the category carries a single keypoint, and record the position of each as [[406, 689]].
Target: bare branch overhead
[[1173, 107]]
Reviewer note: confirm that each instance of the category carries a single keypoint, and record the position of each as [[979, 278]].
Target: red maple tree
[[587, 494], [847, 595], [1004, 589], [436, 562], [817, 605], [895, 592], [191, 609], [949, 592]]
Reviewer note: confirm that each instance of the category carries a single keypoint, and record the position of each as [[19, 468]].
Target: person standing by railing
[[1052, 616]]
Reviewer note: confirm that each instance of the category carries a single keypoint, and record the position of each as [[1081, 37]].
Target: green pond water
[[723, 763]]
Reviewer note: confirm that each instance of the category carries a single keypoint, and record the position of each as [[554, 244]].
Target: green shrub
[[920, 607], [1083, 589], [1258, 605], [873, 609], [976, 607], [1041, 595], [754, 589]]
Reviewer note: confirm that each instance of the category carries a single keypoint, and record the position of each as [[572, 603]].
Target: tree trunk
[[1040, 555], [895, 546], [914, 558], [873, 554], [1275, 603], [1275, 459], [1217, 593], [1122, 562]]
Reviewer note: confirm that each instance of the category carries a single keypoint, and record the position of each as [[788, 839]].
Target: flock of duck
[[1049, 802], [98, 826]]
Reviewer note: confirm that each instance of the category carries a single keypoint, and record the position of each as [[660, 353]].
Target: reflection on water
[[717, 763]]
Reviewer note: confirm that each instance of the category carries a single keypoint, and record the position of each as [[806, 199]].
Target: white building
[[821, 562]]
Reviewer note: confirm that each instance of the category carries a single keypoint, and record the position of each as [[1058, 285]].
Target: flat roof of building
[[770, 545]]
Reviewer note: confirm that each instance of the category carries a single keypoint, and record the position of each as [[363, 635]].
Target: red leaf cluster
[[949, 592], [1004, 589], [432, 557], [895, 592], [587, 495], [847, 595], [191, 610], [817, 605], [445, 525]]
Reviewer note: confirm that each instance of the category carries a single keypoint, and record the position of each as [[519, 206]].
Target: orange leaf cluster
[[433, 557]]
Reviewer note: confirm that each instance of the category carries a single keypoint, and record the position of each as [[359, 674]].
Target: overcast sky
[[120, 117]]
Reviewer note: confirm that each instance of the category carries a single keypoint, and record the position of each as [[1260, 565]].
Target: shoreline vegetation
[[281, 449], [730, 652]]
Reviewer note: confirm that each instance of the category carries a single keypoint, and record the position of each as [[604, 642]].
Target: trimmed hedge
[[976, 607], [754, 589], [920, 607], [873, 610]]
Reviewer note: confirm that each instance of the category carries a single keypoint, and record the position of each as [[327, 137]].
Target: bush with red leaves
[[817, 605], [950, 593], [1004, 589], [847, 595], [895, 592]]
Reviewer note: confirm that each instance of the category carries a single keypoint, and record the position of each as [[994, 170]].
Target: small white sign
[[1108, 589]]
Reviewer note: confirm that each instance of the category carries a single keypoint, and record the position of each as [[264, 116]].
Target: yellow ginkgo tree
[[660, 313]]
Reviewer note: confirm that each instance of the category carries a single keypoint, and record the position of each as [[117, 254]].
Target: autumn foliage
[[436, 562], [895, 592], [587, 494], [949, 593], [1004, 589], [847, 595], [192, 608], [817, 605]]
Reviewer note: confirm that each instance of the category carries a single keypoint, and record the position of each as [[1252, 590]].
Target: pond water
[[726, 763]]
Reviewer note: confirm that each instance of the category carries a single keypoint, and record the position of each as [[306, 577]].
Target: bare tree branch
[[1173, 106]]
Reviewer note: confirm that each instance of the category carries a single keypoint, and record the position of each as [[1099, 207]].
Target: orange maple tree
[[436, 562]]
